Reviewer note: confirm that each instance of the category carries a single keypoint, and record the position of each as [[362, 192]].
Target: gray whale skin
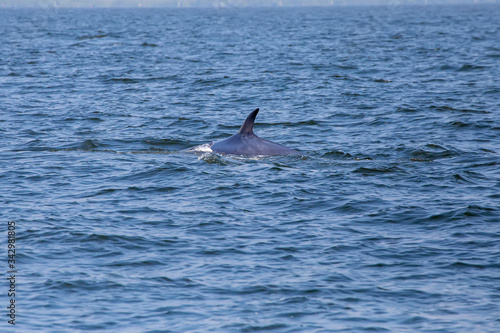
[[246, 143]]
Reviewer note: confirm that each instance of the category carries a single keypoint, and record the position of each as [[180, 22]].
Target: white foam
[[204, 148]]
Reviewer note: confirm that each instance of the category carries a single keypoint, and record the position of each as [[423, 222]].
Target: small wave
[[122, 80], [337, 154], [469, 67], [461, 179], [164, 142], [79, 285], [465, 213], [476, 125], [130, 80], [446, 67], [211, 158], [116, 239], [88, 144], [449, 108], [342, 77], [406, 109], [85, 37], [460, 265], [432, 152], [380, 170], [310, 122], [346, 66], [265, 328]]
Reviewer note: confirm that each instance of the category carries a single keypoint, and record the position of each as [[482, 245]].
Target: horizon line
[[140, 6]]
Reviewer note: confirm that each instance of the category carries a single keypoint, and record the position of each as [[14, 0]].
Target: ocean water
[[388, 222]]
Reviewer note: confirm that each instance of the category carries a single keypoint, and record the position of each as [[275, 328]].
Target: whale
[[246, 143]]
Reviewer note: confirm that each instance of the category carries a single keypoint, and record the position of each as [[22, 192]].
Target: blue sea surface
[[389, 221]]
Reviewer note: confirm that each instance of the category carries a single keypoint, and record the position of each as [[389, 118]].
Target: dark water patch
[[125, 80], [464, 214], [479, 124], [459, 265], [469, 177], [136, 263], [446, 67], [370, 171], [87, 144], [100, 238], [343, 77], [414, 320], [337, 154], [80, 285], [97, 36], [445, 108], [432, 152], [485, 164]]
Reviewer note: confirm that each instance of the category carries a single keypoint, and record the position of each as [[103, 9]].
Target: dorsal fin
[[247, 127]]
